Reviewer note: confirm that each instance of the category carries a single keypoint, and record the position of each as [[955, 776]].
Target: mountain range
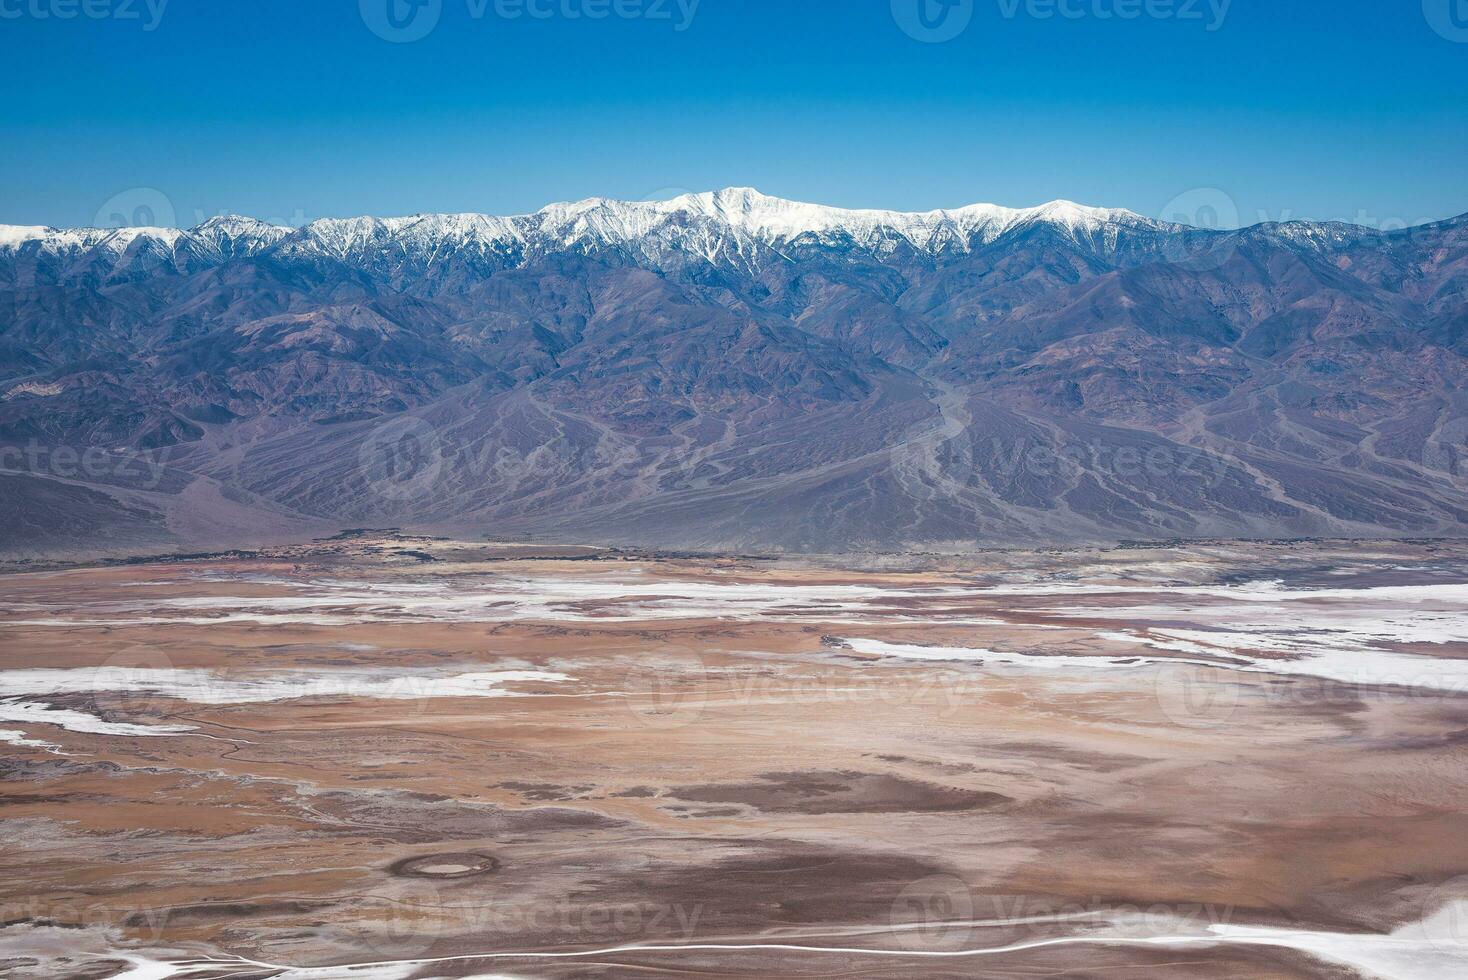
[[731, 371]]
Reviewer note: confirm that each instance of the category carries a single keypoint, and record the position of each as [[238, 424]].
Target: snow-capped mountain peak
[[737, 225], [740, 220], [235, 225], [736, 217]]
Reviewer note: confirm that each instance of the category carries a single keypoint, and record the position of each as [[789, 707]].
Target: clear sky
[[298, 109]]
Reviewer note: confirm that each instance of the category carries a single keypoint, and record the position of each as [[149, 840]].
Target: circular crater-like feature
[[441, 866]]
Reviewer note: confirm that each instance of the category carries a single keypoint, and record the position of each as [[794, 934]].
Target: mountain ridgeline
[[732, 371]]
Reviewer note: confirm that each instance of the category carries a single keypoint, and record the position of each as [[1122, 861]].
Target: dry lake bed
[[388, 758]]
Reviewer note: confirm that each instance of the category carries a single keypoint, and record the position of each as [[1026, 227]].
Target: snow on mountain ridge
[[66, 240], [736, 225], [740, 210], [748, 209], [236, 224], [14, 236], [773, 220], [229, 236], [714, 224]]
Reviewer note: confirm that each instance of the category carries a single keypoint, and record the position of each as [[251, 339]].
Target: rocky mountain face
[[732, 371]]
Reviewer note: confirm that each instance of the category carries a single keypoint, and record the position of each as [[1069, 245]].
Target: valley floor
[[396, 758]]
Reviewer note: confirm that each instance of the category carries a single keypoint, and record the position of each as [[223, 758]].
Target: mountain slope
[[730, 370]]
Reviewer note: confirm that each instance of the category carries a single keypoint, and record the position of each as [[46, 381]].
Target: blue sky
[[296, 109]]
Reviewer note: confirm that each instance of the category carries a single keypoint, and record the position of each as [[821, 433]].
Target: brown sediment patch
[[1444, 740], [816, 791], [1442, 651], [1053, 752], [30, 799], [466, 864], [214, 911], [400, 817], [758, 883], [547, 792]]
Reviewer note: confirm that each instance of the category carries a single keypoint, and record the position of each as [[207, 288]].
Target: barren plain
[[394, 758]]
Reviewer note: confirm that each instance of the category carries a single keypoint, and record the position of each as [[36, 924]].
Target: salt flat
[[344, 760]]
